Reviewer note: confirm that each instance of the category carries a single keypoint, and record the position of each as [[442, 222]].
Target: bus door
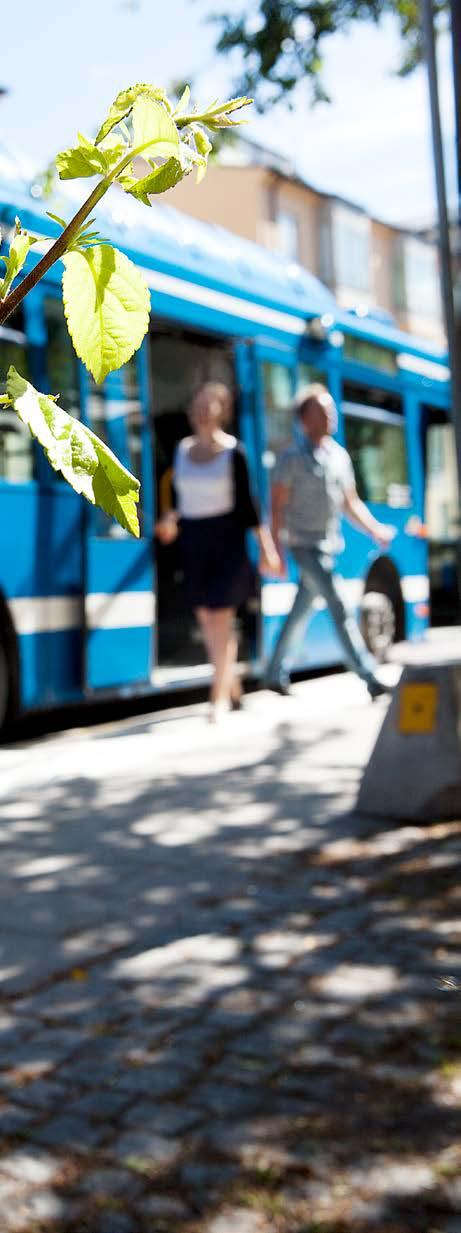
[[181, 361], [119, 581], [275, 383], [441, 513]]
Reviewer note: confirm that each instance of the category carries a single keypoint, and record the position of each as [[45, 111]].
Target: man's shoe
[[282, 686]]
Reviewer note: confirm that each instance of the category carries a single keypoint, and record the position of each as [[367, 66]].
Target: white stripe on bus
[[424, 368], [125, 610], [46, 614], [53, 613], [278, 597], [415, 588], [219, 301], [136, 609]]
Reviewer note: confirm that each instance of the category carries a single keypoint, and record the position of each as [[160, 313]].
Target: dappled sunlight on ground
[[228, 1003]]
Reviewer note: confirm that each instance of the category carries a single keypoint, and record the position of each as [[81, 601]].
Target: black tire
[[378, 622], [8, 678], [4, 685]]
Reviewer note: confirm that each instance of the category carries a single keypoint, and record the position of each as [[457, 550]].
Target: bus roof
[[387, 334], [166, 238]]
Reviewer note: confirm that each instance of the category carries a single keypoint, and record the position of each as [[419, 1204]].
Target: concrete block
[[415, 769]]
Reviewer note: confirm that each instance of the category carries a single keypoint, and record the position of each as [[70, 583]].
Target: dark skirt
[[217, 571]]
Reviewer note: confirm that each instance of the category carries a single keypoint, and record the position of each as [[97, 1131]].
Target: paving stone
[[14, 1120], [30, 1165], [39, 1208], [89, 1072], [121, 1183], [206, 1177], [42, 1094], [163, 1207], [163, 1119], [115, 1222], [226, 1099], [151, 1081], [70, 1133], [100, 1105], [237, 1220], [146, 1150]]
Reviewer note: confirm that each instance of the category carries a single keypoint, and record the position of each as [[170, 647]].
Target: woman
[[214, 511]]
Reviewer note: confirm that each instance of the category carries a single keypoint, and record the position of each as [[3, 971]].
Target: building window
[[416, 277], [351, 248], [288, 235]]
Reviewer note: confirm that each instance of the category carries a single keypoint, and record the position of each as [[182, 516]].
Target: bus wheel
[[8, 679], [378, 621]]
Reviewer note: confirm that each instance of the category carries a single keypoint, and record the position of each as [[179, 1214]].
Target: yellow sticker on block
[[418, 707]]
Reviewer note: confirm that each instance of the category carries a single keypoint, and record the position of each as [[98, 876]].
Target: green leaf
[[154, 130], [217, 115], [190, 158], [202, 142], [161, 179], [19, 247], [122, 105], [183, 102], [86, 160], [107, 305], [57, 219], [85, 462]]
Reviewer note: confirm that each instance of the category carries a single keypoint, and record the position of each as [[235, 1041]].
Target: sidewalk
[[227, 1001]]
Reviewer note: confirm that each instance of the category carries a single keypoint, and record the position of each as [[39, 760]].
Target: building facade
[[369, 265]]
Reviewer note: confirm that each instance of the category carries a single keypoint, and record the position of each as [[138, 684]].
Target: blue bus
[[86, 611]]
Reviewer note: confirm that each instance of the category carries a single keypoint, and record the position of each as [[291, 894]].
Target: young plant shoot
[[106, 300]]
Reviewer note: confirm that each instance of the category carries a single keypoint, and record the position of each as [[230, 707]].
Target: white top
[[204, 489]]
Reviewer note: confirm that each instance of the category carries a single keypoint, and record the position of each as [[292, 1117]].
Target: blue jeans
[[316, 578]]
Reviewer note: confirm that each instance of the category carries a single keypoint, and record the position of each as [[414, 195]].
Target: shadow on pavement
[[227, 1003]]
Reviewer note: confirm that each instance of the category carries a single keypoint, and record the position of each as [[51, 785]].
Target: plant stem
[[60, 245]]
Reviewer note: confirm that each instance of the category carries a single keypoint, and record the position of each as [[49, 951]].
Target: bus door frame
[[271, 593], [119, 596]]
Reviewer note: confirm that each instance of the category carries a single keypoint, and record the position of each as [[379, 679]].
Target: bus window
[[16, 452], [17, 462], [308, 374], [441, 505], [377, 449], [61, 360], [441, 514], [278, 398], [133, 415]]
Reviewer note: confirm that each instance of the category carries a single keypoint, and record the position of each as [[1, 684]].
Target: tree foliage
[[282, 41], [106, 300]]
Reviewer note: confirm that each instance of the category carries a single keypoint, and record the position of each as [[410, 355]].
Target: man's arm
[[280, 495], [357, 513]]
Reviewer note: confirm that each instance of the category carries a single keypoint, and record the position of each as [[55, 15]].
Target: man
[[313, 485]]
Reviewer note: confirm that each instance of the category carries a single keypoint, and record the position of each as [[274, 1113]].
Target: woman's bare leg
[[217, 628], [235, 688]]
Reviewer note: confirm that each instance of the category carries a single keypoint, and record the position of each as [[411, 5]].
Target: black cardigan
[[244, 506]]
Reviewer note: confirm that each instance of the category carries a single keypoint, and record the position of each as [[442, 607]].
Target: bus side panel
[[41, 579]]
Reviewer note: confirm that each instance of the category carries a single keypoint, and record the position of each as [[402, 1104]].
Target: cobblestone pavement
[[227, 1000]]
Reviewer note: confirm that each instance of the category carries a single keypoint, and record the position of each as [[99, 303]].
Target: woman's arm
[[246, 509], [166, 528]]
